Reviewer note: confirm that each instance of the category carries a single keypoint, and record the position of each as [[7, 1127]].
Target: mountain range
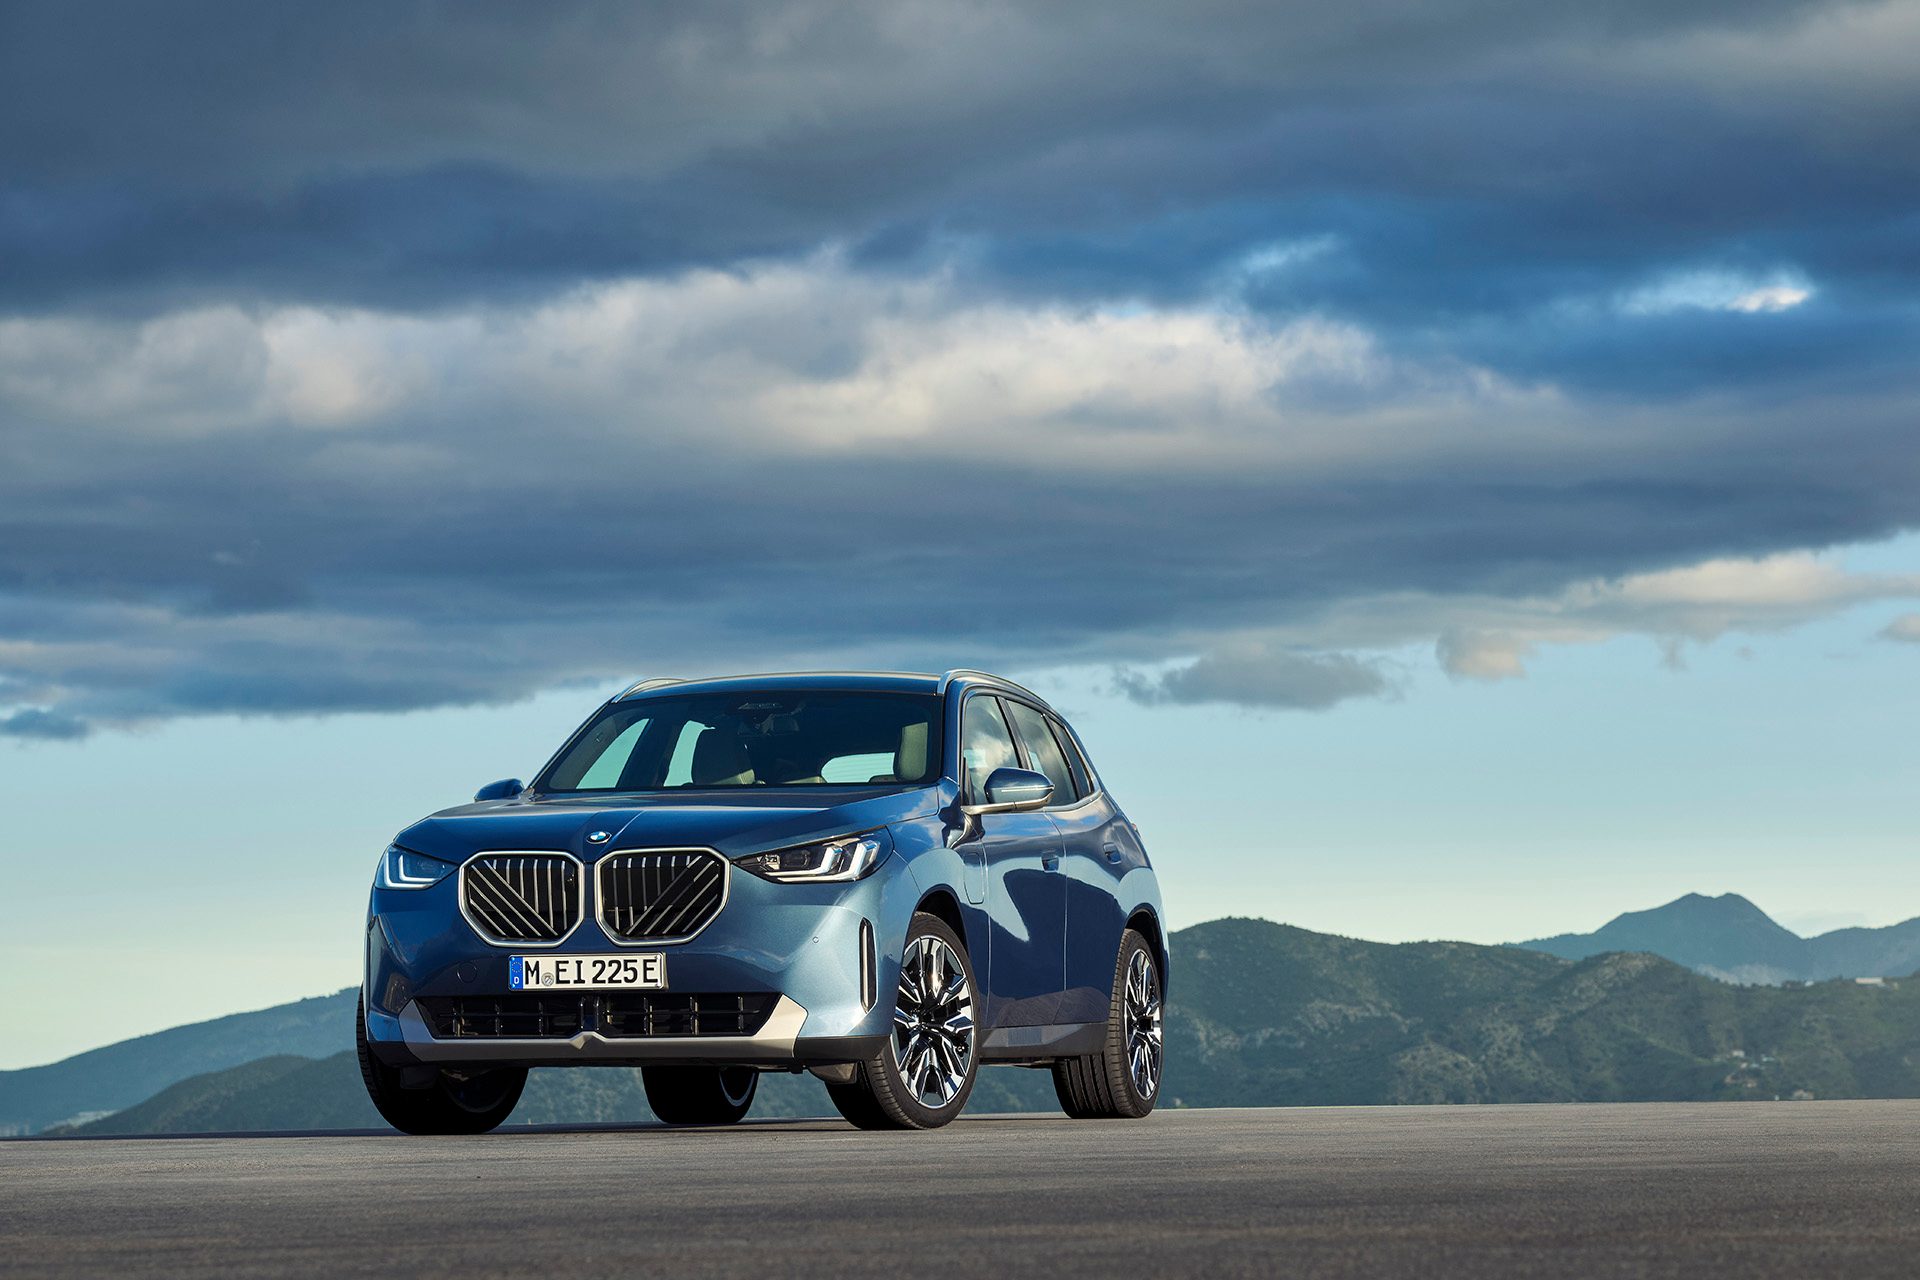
[[1729, 938], [1260, 1014], [119, 1075]]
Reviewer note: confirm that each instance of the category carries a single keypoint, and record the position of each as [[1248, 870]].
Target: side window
[[604, 773], [1082, 781], [680, 763], [985, 744], [1043, 752]]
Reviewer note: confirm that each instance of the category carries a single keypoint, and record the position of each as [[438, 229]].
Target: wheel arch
[[942, 904], [1147, 924]]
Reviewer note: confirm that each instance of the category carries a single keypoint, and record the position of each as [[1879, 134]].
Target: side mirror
[[1013, 791], [505, 789]]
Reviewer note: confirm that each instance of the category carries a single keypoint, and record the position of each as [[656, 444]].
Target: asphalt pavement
[[1730, 1189]]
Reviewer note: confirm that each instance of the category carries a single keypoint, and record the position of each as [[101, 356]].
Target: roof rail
[[959, 672], [653, 682]]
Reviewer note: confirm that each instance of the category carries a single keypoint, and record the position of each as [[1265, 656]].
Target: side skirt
[[1029, 1044]]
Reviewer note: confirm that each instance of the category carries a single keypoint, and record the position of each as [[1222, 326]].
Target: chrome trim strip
[[460, 896], [869, 990], [774, 1042], [651, 682], [969, 673], [600, 898]]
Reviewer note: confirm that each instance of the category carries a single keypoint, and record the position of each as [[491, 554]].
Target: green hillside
[[1268, 1015], [1272, 1015], [122, 1074]]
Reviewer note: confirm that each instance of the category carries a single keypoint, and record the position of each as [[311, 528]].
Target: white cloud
[[1718, 291], [814, 358], [1252, 673], [1486, 638], [1482, 655], [1767, 298], [1905, 627]]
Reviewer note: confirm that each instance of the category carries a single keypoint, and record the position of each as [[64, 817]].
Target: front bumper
[[777, 1041], [801, 943]]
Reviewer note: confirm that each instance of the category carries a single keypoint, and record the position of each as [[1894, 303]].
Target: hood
[[733, 825]]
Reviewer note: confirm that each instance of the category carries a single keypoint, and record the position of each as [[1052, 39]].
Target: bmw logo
[[598, 837]]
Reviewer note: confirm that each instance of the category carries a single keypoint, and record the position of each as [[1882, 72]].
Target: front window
[[744, 738], [985, 744]]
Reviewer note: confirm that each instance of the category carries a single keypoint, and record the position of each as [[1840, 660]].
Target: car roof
[[863, 681], [859, 681]]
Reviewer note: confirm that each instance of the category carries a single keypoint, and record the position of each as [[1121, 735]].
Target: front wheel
[[700, 1095], [923, 1075], [453, 1101], [1122, 1081]]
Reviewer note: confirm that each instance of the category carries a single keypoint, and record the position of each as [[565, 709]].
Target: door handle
[[1050, 861], [1113, 853]]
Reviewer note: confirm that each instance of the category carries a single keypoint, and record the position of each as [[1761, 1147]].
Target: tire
[[922, 1077], [1122, 1081], [455, 1101], [700, 1095]]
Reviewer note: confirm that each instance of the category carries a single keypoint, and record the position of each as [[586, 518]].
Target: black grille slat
[[651, 896], [620, 1015], [530, 898]]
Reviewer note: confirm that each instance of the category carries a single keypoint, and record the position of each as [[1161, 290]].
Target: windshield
[[751, 739]]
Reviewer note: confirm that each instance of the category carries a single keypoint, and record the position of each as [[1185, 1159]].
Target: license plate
[[646, 970]]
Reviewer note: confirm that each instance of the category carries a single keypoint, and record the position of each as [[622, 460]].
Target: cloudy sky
[[1456, 460]]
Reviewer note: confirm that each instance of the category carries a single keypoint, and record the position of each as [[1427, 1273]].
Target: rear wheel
[[1122, 1081], [700, 1095], [923, 1075], [454, 1100]]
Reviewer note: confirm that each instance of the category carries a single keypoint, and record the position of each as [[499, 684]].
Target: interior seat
[[910, 756], [720, 760]]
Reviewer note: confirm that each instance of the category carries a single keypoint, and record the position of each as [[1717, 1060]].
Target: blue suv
[[888, 880]]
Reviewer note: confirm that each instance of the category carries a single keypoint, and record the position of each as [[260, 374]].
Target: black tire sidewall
[[1119, 1071], [882, 1077], [432, 1110], [690, 1095]]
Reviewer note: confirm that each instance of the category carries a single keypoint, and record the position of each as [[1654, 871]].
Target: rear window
[[749, 739], [1043, 752]]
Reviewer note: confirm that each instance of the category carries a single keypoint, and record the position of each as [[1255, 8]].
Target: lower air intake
[[614, 1015]]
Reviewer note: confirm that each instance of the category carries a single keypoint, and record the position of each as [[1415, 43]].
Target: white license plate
[[646, 970]]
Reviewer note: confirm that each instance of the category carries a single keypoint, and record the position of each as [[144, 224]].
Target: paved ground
[[1738, 1190]]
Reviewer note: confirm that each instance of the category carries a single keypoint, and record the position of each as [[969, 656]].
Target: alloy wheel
[[933, 1022], [1143, 1034]]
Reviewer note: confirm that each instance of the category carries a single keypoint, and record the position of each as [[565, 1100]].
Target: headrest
[[720, 760], [910, 758]]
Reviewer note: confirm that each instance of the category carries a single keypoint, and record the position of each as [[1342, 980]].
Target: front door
[[1025, 969]]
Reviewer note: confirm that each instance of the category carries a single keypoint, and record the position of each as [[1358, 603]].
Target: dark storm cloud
[[412, 153], [35, 723], [307, 404]]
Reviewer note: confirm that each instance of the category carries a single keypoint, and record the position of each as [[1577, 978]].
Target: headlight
[[405, 869], [829, 861]]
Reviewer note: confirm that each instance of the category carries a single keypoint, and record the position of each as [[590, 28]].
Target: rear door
[[1025, 970]]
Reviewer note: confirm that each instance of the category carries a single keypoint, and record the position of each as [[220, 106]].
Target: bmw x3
[[888, 880]]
